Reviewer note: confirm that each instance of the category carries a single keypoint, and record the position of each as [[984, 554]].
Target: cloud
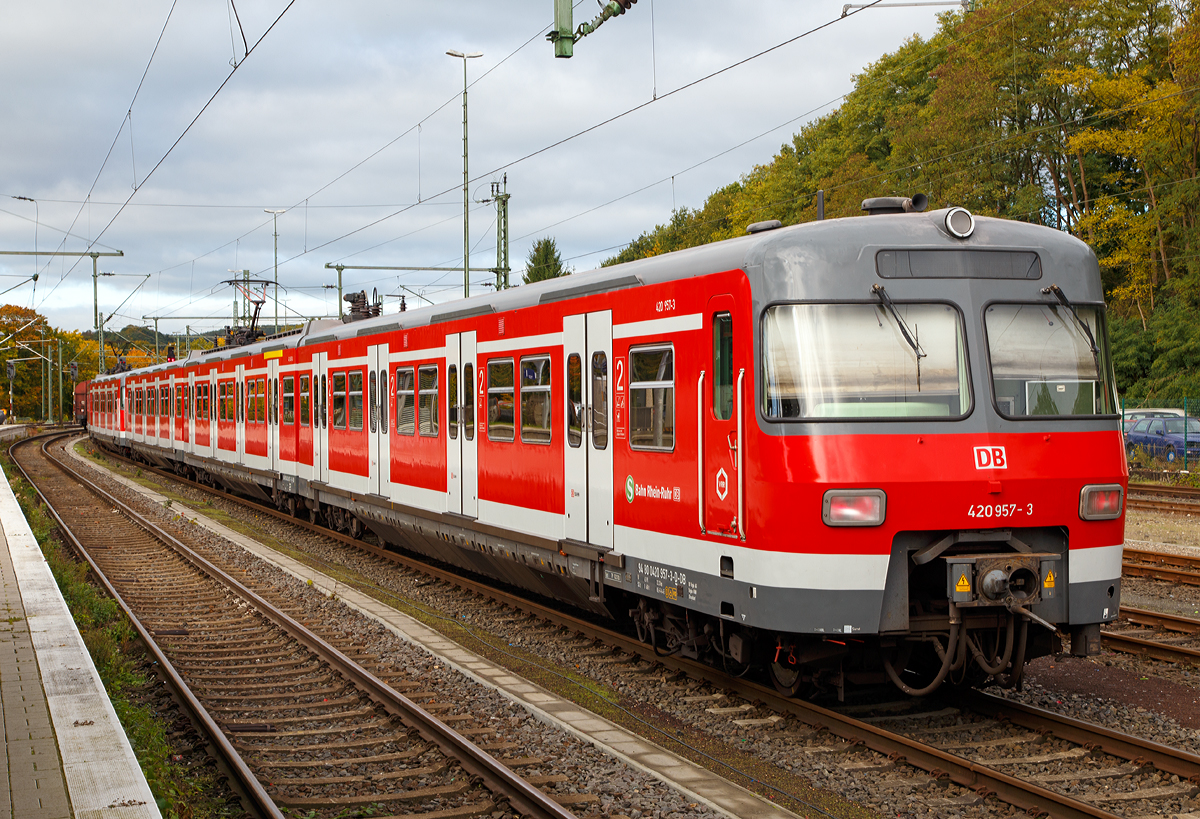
[[330, 85]]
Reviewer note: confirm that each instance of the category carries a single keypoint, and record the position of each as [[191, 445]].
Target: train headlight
[[1101, 502], [854, 507]]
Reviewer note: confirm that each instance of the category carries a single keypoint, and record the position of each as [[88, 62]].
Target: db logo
[[990, 457]]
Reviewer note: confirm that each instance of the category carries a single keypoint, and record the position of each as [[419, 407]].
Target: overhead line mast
[[564, 35]]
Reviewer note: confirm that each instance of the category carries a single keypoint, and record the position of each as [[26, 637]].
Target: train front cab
[[950, 436]]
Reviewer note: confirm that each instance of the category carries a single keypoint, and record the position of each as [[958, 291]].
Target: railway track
[[1158, 498], [304, 726], [1161, 566], [984, 743], [1166, 637]]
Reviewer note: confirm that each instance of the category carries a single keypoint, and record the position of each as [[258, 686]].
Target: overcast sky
[[349, 116]]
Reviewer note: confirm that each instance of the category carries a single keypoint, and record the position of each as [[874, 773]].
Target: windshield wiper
[[887, 302], [1056, 291]]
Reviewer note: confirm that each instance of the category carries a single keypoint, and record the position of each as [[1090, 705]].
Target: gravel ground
[[624, 791], [1163, 532], [1146, 697]]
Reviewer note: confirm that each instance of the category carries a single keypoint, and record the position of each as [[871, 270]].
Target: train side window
[[574, 400], [373, 386], [289, 399], [452, 400], [305, 401], [339, 401], [356, 399], [261, 406], [723, 366], [652, 398], [427, 401], [599, 400], [500, 397], [251, 391], [221, 402], [231, 406], [275, 400], [406, 398], [535, 400], [324, 402], [383, 401], [468, 405]]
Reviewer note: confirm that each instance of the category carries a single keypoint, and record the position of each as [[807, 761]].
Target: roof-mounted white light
[[960, 222]]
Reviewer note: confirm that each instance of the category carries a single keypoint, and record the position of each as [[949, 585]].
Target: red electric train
[[848, 450]]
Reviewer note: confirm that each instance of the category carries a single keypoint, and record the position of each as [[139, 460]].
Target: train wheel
[[786, 678]]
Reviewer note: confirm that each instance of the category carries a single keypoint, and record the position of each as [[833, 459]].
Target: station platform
[[65, 755]]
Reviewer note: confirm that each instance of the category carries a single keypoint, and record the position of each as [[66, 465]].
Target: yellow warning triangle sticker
[[963, 585], [1049, 582]]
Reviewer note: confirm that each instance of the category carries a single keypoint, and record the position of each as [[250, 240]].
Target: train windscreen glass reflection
[[1044, 362], [838, 361]]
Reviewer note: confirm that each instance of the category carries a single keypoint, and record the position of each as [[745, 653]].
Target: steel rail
[[1156, 649], [1149, 648], [979, 778], [1165, 491], [501, 780], [1171, 622], [1161, 566], [249, 783], [1151, 505], [1163, 757]]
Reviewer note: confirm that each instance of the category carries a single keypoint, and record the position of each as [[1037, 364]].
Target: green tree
[[543, 262]]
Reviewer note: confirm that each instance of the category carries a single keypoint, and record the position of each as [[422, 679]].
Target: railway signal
[[74, 371]]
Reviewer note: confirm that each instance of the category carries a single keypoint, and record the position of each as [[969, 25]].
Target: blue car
[[1164, 437]]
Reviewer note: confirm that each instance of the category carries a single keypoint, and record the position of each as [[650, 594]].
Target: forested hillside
[[1081, 115]]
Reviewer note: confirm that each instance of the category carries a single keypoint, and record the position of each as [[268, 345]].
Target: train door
[[211, 380], [462, 465], [588, 460], [193, 409], [239, 412], [273, 413], [379, 481], [454, 431], [720, 422], [320, 432]]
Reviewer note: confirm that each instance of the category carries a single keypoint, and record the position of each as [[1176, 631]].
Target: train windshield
[[1044, 361], [852, 361]]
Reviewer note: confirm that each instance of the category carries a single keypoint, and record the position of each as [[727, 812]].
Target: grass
[[181, 792]]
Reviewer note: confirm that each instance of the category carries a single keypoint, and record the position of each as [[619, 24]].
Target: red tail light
[[1101, 502]]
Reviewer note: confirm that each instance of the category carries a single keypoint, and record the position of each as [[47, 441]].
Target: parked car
[[1131, 417], [1164, 437]]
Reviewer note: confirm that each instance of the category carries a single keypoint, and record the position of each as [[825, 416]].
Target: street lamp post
[[275, 218], [466, 193]]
